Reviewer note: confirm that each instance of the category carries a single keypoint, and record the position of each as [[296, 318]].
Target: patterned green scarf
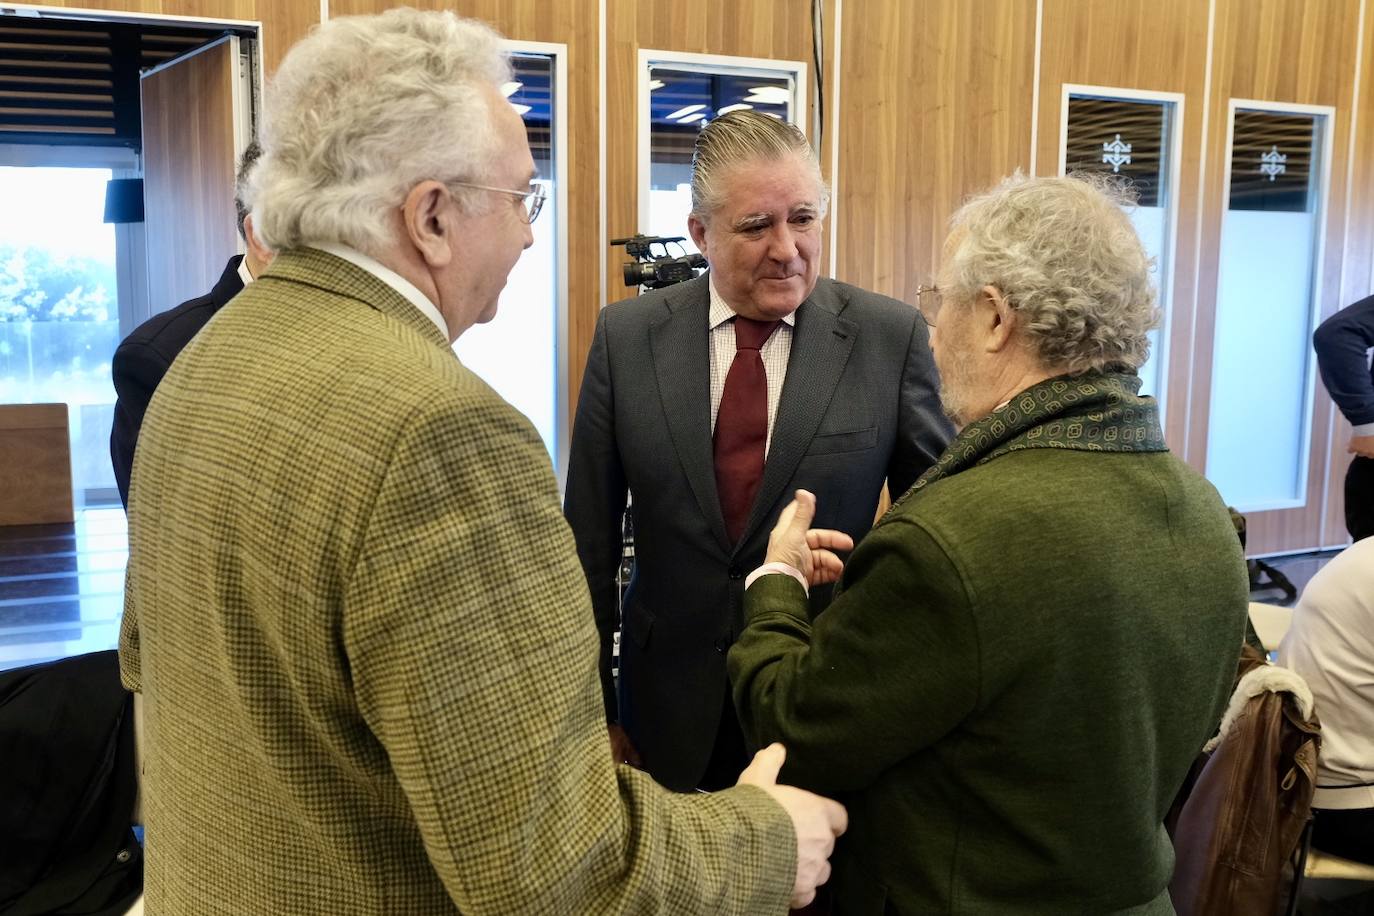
[[1093, 412]]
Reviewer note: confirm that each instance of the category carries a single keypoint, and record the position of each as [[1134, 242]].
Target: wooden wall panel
[[284, 22], [1148, 45], [189, 165], [1282, 51], [1357, 276], [575, 24], [936, 105]]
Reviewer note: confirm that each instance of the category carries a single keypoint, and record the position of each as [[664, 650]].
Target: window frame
[[711, 64], [1173, 181]]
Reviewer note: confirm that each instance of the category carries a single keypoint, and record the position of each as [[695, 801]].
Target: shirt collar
[[721, 311], [245, 275], [408, 290]]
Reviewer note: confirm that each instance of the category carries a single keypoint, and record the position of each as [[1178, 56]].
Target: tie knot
[[751, 334]]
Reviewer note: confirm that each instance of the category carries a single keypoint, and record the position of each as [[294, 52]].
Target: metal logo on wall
[[1116, 154], [1272, 163]]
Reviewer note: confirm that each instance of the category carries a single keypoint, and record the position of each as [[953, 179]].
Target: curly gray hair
[[364, 109], [1065, 255]]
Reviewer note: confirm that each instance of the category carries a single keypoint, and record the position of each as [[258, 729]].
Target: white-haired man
[[710, 402], [353, 605], [1028, 651]]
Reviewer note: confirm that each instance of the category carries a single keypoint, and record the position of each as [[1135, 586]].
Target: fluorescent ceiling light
[[700, 115], [769, 95], [738, 106], [683, 112], [521, 109], [510, 89], [655, 84]]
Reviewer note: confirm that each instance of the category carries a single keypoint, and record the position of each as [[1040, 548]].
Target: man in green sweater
[[1027, 652]]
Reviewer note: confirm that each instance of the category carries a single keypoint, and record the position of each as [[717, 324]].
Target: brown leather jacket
[[1246, 811]]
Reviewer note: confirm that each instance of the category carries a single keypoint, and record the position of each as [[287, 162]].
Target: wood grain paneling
[[575, 24], [189, 157], [936, 104], [1147, 45], [1281, 51], [35, 464], [284, 22], [1357, 274]]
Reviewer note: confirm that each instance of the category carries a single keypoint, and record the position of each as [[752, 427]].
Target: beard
[[957, 385]]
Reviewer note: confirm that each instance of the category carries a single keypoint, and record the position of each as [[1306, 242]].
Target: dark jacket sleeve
[[1342, 344], [594, 501], [136, 369], [923, 430]]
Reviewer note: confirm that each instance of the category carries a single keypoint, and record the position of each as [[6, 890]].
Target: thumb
[[805, 512], [764, 768]]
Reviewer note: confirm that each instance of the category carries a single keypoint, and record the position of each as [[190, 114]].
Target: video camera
[[656, 269]]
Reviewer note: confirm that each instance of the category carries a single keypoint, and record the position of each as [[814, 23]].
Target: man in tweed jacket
[[353, 607]]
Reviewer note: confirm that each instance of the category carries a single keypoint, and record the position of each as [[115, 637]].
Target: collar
[[408, 290], [721, 311], [1093, 412], [245, 274]]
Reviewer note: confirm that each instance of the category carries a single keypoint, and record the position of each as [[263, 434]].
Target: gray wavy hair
[[364, 109], [741, 136], [1065, 255]]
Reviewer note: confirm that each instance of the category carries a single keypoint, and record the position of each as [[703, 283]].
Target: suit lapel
[[821, 344], [682, 360]]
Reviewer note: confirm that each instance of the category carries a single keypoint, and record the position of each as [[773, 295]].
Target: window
[[522, 353], [1134, 136], [1271, 239], [60, 302], [681, 92]]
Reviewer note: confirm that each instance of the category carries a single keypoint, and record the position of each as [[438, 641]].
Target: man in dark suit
[[711, 402], [145, 355], [1342, 344]]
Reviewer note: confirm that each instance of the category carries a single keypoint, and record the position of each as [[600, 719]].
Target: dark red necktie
[[742, 426]]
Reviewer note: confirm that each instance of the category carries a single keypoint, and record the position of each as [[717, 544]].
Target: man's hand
[[1362, 446], [622, 749], [806, 549], [817, 821]]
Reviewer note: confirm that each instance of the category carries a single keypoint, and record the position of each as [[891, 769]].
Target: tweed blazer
[[367, 648]]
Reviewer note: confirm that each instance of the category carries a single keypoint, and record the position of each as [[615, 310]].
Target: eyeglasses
[[928, 301], [533, 199]]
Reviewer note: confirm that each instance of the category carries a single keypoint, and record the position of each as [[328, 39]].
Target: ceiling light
[[510, 89], [655, 84], [682, 112], [700, 115], [769, 95], [521, 110], [738, 106]]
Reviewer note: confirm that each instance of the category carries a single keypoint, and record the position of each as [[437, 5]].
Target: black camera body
[[653, 267]]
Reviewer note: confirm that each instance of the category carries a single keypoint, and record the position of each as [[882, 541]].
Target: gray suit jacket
[[859, 406]]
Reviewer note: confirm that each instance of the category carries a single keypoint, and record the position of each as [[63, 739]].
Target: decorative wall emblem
[[1116, 154], [1272, 163]]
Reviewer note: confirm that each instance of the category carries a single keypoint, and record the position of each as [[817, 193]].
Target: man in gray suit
[[710, 402]]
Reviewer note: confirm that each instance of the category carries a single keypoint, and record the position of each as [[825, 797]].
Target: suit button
[[736, 572], [722, 644]]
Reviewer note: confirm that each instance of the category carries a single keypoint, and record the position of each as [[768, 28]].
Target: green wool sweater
[[1023, 660]]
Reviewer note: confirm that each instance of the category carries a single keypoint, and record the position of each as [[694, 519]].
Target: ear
[[697, 230], [998, 319], [428, 218], [259, 252]]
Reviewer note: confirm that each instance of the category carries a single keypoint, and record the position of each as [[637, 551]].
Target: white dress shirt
[[774, 354], [245, 275], [408, 290], [1331, 646]]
